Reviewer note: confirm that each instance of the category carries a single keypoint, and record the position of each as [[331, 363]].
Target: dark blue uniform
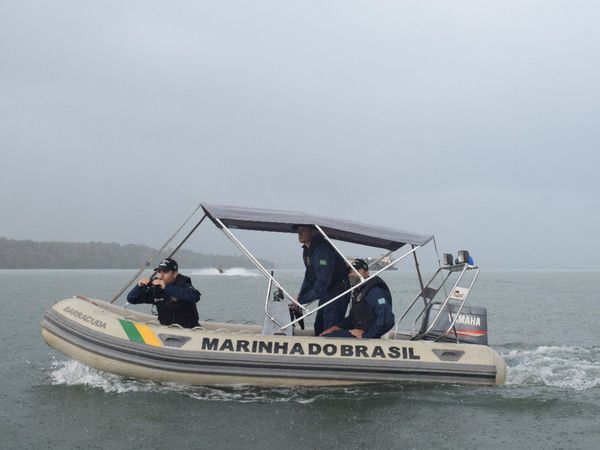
[[176, 303], [326, 277], [371, 311]]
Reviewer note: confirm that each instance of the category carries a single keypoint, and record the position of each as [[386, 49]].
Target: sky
[[475, 121]]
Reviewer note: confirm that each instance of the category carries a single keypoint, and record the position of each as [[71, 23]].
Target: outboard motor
[[470, 326]]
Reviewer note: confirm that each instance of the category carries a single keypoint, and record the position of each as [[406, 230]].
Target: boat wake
[[232, 272], [556, 366], [74, 373]]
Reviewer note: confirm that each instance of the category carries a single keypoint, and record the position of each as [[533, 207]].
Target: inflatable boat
[[447, 341]]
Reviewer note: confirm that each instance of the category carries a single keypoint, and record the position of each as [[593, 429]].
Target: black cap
[[167, 265], [360, 264], [306, 225]]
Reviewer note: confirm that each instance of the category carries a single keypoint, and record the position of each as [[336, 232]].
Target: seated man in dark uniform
[[172, 293], [371, 315]]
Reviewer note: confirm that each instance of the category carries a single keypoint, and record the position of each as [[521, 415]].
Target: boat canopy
[[286, 222]]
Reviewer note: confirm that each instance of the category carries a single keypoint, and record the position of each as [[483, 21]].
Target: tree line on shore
[[27, 254]]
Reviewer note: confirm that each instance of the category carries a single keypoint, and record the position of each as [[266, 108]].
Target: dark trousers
[[330, 315]]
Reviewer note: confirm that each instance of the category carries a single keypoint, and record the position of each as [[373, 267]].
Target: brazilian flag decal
[[139, 332], [322, 262]]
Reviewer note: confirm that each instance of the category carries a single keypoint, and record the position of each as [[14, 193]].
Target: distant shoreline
[[27, 254]]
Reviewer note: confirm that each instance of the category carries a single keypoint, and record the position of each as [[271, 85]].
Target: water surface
[[544, 324]]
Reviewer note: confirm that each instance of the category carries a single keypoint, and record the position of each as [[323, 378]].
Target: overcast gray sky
[[477, 121]]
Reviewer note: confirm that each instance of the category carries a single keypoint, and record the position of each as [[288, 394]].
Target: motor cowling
[[470, 326]]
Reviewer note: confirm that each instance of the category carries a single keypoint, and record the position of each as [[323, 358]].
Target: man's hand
[[293, 306], [357, 333], [158, 282], [143, 282], [330, 330]]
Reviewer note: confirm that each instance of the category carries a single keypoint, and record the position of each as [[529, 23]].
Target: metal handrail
[[445, 303], [439, 313], [409, 307], [456, 314], [451, 269], [426, 305]]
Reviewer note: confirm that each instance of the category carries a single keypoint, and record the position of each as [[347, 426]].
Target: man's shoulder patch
[[322, 262], [381, 301]]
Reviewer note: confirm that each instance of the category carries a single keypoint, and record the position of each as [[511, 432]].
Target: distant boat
[[377, 263], [380, 263], [220, 269]]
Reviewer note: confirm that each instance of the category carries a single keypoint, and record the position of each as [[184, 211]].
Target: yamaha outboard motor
[[470, 326]]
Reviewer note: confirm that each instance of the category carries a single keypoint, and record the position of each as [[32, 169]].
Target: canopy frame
[[285, 221], [306, 312]]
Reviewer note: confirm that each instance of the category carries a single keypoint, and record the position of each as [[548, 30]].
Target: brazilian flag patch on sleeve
[[322, 262]]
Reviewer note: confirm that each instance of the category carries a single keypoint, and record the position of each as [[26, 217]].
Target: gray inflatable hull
[[127, 343]]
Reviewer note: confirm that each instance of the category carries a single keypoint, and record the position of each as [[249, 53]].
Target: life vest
[[172, 310], [362, 313]]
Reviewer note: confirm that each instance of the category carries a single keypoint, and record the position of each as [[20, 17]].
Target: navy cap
[[167, 265], [305, 225], [360, 264]]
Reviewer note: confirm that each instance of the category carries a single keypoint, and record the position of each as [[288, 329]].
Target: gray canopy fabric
[[285, 222]]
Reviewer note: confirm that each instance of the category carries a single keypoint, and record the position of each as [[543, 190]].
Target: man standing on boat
[[173, 294], [371, 315], [326, 277]]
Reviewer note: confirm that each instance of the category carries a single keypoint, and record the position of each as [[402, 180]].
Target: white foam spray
[[558, 366], [232, 272], [74, 373]]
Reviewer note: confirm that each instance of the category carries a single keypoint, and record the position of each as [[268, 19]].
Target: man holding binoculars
[[173, 294]]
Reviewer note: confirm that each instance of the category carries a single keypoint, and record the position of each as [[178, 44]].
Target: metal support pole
[[437, 252], [147, 263], [255, 261], [419, 275]]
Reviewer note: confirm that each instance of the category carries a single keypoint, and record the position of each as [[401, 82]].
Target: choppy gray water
[[544, 323]]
